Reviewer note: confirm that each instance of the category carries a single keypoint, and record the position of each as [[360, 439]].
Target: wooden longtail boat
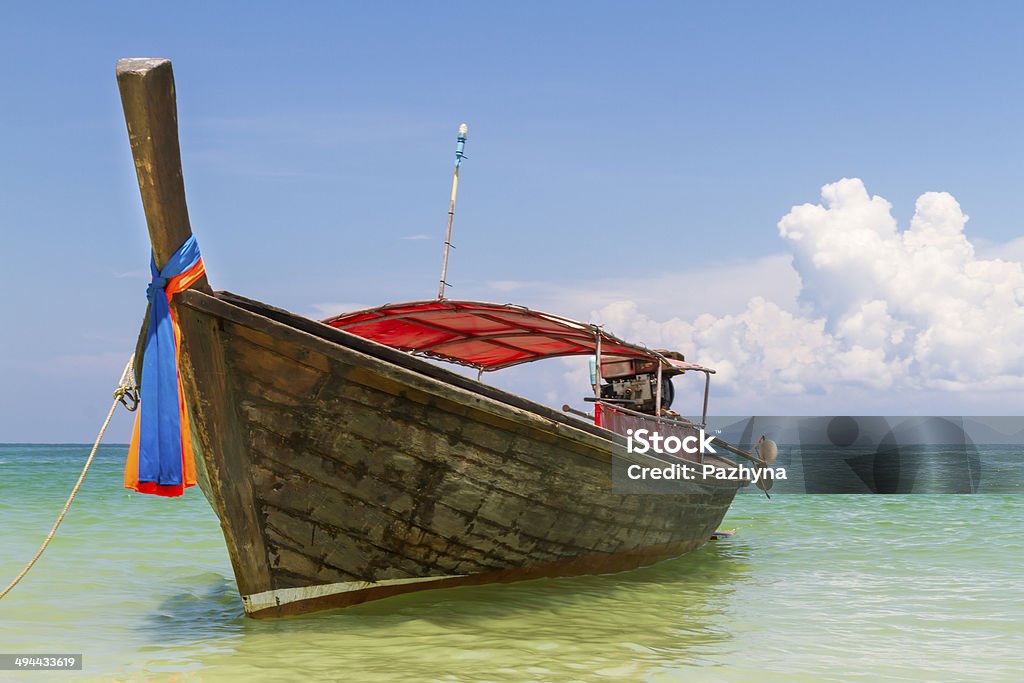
[[345, 469]]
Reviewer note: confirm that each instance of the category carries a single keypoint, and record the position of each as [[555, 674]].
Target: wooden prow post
[[151, 112]]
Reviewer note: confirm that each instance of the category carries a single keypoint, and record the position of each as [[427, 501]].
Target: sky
[[780, 191]]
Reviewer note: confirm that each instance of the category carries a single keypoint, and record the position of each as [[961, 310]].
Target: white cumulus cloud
[[879, 308]]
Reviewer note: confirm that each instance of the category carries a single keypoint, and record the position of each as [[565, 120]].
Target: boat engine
[[639, 392], [634, 385]]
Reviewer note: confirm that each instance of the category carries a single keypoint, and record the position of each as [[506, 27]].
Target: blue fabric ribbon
[[160, 419]]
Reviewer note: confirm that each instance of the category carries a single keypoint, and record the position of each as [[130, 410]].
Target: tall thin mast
[[459, 154]]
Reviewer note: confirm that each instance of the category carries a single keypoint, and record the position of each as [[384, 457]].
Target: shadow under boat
[[701, 586]]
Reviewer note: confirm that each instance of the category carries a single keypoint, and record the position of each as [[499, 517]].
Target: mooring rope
[[125, 391]]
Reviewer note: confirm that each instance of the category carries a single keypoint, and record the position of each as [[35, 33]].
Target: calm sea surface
[[812, 588]]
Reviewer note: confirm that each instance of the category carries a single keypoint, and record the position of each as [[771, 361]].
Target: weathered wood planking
[[336, 463]]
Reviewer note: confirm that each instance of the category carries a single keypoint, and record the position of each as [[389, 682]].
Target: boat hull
[[343, 471]]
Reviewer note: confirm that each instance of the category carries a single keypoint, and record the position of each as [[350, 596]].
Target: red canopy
[[486, 336]]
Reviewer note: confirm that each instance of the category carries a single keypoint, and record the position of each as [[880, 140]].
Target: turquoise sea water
[[812, 588]]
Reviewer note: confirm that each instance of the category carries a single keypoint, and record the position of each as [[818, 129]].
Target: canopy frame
[[396, 325]]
